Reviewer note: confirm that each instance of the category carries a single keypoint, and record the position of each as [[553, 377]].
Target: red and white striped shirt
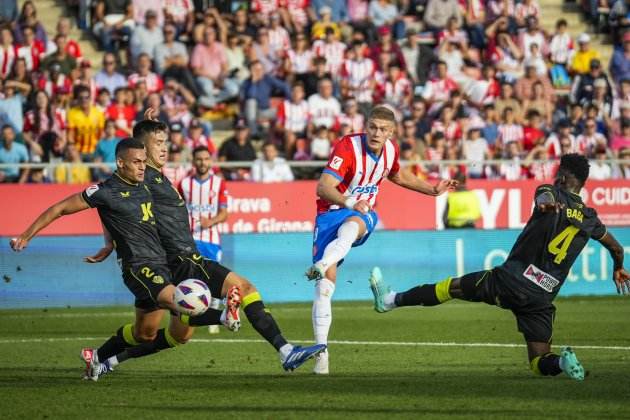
[[359, 170], [333, 53], [204, 198], [63, 84], [297, 10], [355, 122], [452, 132], [7, 58], [153, 81], [398, 91], [32, 54], [525, 10], [265, 7], [279, 40], [439, 90], [510, 132], [202, 140], [294, 117], [323, 111], [359, 74]]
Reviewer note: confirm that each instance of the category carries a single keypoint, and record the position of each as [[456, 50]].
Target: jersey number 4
[[560, 244]]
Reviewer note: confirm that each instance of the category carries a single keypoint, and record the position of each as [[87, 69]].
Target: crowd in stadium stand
[[468, 79]]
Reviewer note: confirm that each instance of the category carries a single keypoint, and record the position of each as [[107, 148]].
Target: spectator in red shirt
[[32, 50], [72, 47], [122, 113], [533, 136], [386, 44]]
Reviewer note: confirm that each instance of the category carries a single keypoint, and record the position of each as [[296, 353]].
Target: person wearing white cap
[[581, 61]]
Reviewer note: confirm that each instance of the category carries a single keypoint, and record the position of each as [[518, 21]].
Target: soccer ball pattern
[[192, 297]]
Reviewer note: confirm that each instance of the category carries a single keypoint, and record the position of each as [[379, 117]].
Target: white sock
[[285, 350], [113, 361], [337, 250], [322, 310], [390, 299]]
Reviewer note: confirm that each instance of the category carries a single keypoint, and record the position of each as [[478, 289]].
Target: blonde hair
[[382, 113]]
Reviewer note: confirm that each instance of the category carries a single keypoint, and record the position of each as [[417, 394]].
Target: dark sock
[[117, 343], [547, 365], [418, 296], [210, 317], [262, 321], [162, 341]]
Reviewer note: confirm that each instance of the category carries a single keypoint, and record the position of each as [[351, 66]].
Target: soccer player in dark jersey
[[528, 281], [185, 262], [126, 209]]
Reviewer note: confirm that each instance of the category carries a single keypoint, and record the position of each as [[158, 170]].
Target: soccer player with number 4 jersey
[[531, 277], [347, 193]]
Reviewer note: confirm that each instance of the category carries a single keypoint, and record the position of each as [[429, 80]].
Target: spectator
[[352, 118], [28, 18], [490, 131], [620, 61], [75, 172], [271, 168], [144, 74], [236, 59], [562, 141], [387, 45], [475, 150], [462, 206], [292, 119], [177, 102], [106, 150], [31, 49], [624, 168], [209, 65], [141, 8], [338, 10], [512, 169], [510, 132], [397, 91], [12, 104], [538, 102], [67, 62], [179, 13], [357, 76], [8, 52], [533, 136], [42, 118], [320, 144], [146, 37], [524, 86], [532, 35], [325, 22], [324, 107], [242, 28], [312, 78], [621, 140], [385, 13], [72, 47], [581, 62], [85, 124], [12, 152], [278, 36], [507, 100], [108, 78], [332, 50], [122, 112], [114, 22], [600, 170], [237, 149], [506, 57], [438, 90], [178, 168], [9, 10], [196, 138], [299, 59], [542, 170], [262, 50], [560, 48], [590, 140], [438, 12], [583, 88], [256, 97]]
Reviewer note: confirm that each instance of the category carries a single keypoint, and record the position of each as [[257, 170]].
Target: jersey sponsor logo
[[158, 180], [200, 207], [147, 213], [365, 189], [91, 190], [158, 280], [125, 194], [541, 279], [336, 162]]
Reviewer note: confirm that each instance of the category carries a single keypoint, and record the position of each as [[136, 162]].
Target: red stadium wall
[[291, 206]]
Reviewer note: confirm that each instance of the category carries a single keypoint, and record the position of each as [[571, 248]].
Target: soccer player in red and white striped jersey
[[347, 192], [206, 199]]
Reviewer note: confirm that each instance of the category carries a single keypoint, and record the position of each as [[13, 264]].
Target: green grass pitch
[[374, 378]]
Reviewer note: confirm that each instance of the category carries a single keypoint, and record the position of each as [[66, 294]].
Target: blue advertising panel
[[50, 272]]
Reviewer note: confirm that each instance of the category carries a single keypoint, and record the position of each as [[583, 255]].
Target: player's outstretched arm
[[327, 190], [620, 276], [104, 252], [73, 204], [411, 182]]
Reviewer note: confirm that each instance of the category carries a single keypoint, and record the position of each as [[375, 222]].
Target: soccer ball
[[192, 297]]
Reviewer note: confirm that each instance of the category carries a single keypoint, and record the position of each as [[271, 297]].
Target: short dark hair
[[126, 144], [382, 113], [575, 164], [200, 149], [143, 129]]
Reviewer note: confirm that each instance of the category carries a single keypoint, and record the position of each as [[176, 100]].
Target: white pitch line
[[340, 342]]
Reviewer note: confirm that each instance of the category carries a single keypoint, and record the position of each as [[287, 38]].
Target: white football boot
[[321, 363]]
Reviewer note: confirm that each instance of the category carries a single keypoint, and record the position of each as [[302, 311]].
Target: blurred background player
[[347, 193], [533, 273], [206, 199]]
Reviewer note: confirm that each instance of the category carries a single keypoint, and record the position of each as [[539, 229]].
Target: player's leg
[[351, 230], [472, 287], [322, 316], [536, 326]]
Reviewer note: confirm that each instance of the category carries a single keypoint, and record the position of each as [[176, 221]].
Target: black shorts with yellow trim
[[146, 281], [195, 266], [534, 314]]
